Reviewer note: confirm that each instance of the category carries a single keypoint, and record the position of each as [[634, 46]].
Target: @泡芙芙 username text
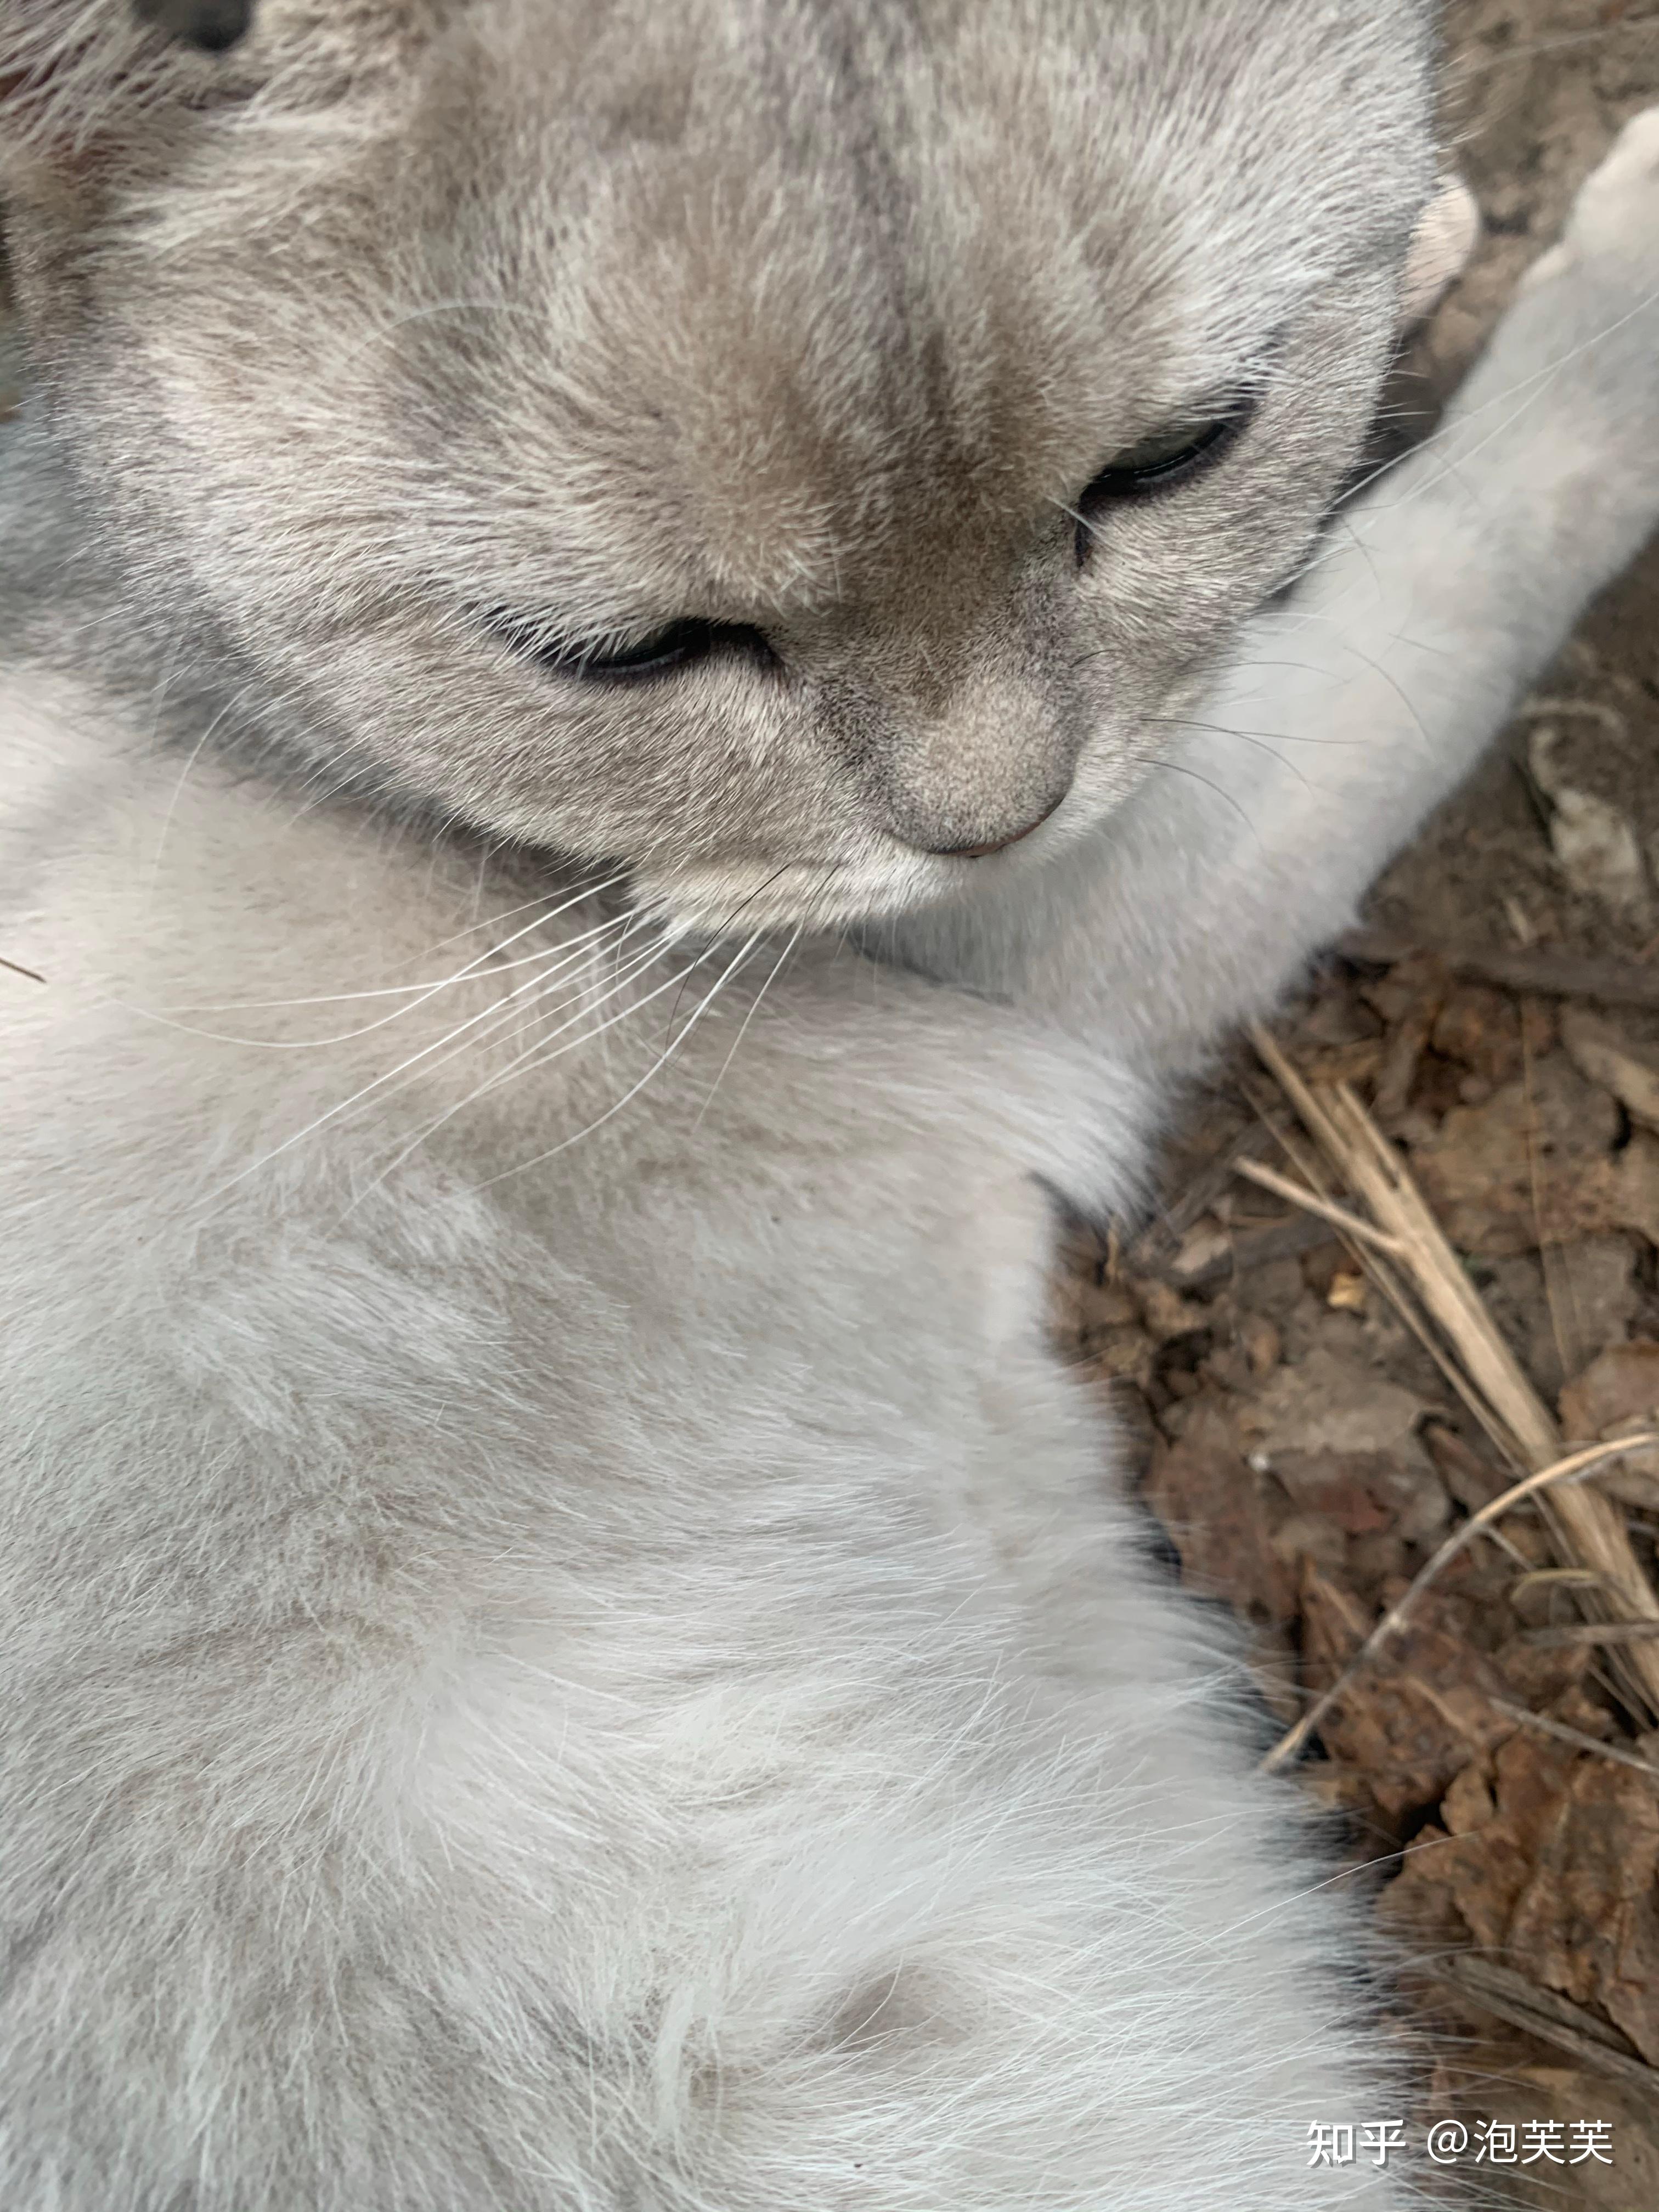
[[1462, 2143]]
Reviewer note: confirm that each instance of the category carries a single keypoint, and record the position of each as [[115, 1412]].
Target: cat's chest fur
[[652, 1606], [397, 1221]]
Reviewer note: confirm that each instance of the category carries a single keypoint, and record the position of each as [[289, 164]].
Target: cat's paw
[[1558, 429], [1615, 218], [1588, 311]]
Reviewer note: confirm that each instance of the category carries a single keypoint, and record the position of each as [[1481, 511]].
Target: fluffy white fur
[[567, 1647]]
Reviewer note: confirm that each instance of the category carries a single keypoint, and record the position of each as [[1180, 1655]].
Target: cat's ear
[[83, 81], [1446, 236], [75, 77]]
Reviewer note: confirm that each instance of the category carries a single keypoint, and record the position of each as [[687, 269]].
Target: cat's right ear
[[1447, 233]]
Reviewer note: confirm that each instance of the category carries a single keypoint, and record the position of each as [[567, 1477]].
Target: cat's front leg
[[1360, 704]]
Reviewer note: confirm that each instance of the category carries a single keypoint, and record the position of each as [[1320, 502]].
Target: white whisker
[[195, 754], [536, 1051], [742, 1030], [655, 1069], [483, 961], [487, 1013], [515, 1008]]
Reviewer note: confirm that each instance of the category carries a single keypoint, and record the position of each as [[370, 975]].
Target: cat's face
[[782, 446]]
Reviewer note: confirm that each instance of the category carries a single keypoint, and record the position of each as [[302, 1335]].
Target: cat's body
[[567, 1647], [655, 1667]]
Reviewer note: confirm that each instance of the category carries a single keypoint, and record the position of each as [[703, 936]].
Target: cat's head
[[792, 448]]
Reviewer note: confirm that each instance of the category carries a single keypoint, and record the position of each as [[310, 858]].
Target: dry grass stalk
[[1564, 1733], [1590, 1527], [1338, 1215], [1591, 1633], [1393, 1286], [1396, 1617], [1555, 1578], [1509, 1996]]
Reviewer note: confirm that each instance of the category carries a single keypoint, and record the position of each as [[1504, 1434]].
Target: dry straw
[[1398, 1615], [1405, 1250]]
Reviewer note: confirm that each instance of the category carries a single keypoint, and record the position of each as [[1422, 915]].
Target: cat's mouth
[[736, 898], [739, 896], [1016, 838]]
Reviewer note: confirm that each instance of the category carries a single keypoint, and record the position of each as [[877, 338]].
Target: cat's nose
[[998, 844], [973, 771]]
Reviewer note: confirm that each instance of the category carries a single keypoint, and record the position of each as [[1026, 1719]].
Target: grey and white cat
[[567, 1646]]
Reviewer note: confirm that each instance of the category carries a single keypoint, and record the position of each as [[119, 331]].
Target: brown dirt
[[1536, 91]]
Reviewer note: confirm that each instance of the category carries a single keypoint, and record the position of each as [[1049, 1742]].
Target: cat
[[594, 597]]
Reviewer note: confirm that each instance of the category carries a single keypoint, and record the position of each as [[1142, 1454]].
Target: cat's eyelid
[[1197, 443], [616, 656], [1235, 399], [1236, 396], [1214, 404], [547, 637]]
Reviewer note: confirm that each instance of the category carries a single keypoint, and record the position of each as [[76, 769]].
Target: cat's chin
[[739, 898]]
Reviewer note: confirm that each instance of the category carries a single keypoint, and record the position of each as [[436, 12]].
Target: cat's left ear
[[1446, 237], [95, 87], [78, 78]]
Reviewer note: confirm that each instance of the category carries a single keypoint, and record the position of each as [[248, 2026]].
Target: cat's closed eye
[[1172, 456], [675, 646], [1153, 464], [1161, 461]]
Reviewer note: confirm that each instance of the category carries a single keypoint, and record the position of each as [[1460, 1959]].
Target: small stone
[[1167, 1315], [1261, 1343], [1311, 1536], [1126, 1353]]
